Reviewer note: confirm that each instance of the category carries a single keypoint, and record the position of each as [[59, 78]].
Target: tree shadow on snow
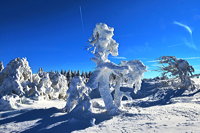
[[164, 98], [157, 97], [63, 123]]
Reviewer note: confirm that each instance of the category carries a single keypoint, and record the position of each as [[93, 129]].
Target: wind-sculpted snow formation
[[17, 82], [78, 97], [102, 45]]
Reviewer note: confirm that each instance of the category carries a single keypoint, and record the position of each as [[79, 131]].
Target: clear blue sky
[[51, 35]]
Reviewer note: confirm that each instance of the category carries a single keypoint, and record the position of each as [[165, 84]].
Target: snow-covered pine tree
[[77, 96], [16, 77]]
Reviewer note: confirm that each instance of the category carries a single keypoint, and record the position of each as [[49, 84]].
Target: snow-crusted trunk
[[104, 90], [138, 84], [118, 94]]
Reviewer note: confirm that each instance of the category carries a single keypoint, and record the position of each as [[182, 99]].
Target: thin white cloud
[[119, 57], [190, 43], [190, 58], [156, 65], [184, 26], [174, 45], [153, 61]]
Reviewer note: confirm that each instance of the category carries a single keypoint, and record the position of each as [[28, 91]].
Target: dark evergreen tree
[[78, 73]]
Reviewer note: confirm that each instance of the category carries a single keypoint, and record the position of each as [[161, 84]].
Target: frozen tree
[[59, 85], [135, 73], [53, 85], [36, 79], [44, 86], [16, 77], [178, 68], [77, 96], [102, 45], [133, 77]]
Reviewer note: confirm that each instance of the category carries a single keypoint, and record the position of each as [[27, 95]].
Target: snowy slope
[[145, 113], [177, 117]]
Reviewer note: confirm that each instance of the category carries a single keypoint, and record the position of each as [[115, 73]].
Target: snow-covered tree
[[133, 77], [77, 96], [40, 71], [51, 85], [44, 86], [59, 85], [16, 77], [102, 45], [178, 68]]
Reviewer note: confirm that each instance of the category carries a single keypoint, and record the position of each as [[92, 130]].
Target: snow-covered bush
[[59, 84], [51, 85], [8, 102], [77, 96]]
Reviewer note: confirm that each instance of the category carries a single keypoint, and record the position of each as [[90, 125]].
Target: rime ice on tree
[[133, 76], [103, 44], [16, 77], [77, 98], [179, 68]]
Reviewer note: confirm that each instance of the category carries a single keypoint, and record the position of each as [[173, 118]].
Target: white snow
[[182, 115], [179, 117]]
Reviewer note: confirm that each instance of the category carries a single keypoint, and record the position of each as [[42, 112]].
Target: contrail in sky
[[184, 26], [187, 43], [81, 18]]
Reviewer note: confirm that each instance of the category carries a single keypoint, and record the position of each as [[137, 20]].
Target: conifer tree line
[[70, 74]]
